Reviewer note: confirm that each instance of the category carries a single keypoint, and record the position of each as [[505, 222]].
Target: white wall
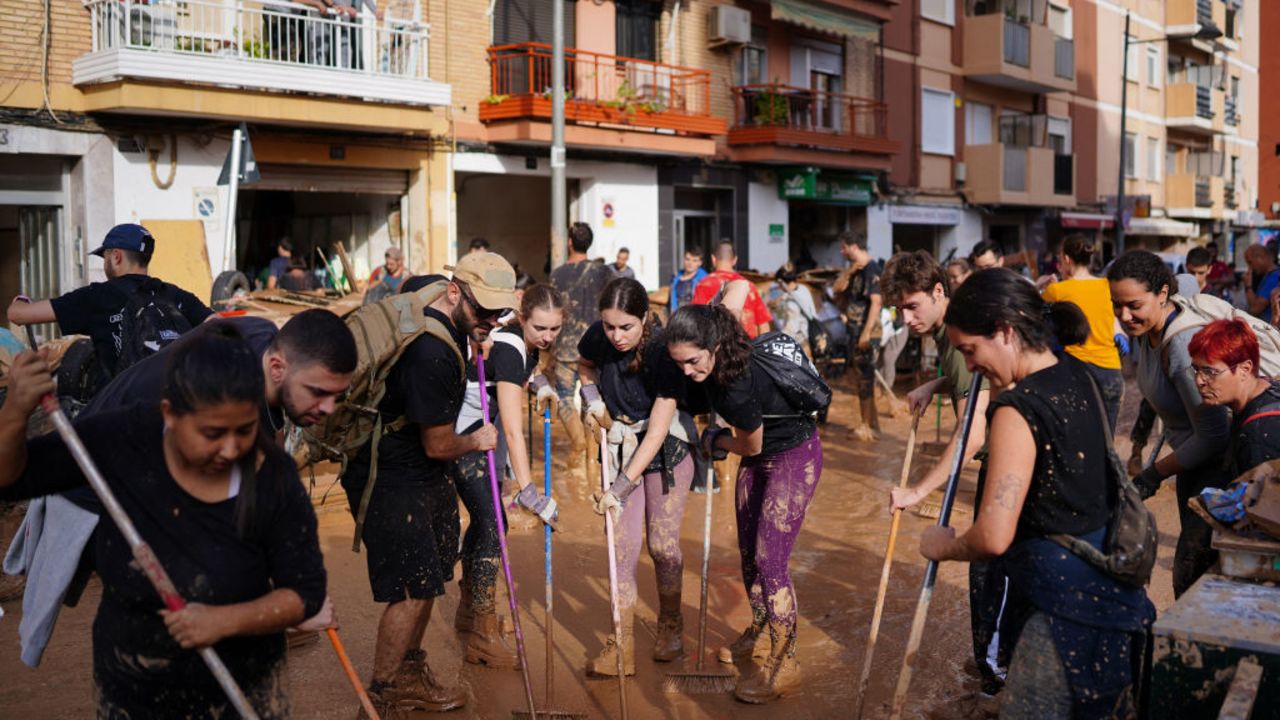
[[765, 208], [879, 232], [962, 237]]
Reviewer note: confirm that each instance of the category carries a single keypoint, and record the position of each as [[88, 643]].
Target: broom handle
[[613, 576], [345, 661], [546, 548], [706, 560], [931, 569], [502, 542], [142, 552], [884, 572]]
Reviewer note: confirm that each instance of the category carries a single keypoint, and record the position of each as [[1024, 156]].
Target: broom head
[[700, 682]]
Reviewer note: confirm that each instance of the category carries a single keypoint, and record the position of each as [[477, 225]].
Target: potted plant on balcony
[[769, 108]]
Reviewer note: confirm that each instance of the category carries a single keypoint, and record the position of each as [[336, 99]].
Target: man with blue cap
[[129, 316]]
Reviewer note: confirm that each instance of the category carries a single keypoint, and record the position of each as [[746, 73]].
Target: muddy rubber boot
[[606, 663], [464, 617], [415, 687], [669, 644], [779, 676], [752, 643], [487, 644]]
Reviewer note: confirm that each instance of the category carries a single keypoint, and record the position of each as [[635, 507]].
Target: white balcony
[[270, 45]]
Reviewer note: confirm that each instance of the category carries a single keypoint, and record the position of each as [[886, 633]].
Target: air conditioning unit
[[728, 25]]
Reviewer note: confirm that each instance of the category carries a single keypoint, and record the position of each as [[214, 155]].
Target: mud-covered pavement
[[836, 568]]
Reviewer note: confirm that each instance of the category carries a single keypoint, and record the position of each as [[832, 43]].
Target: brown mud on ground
[[836, 568]]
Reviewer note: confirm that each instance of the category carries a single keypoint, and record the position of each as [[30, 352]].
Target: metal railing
[[268, 31], [1204, 193], [1064, 58], [1229, 195], [624, 84], [1204, 12], [1231, 111], [1017, 43], [1204, 102], [797, 108], [1063, 172]]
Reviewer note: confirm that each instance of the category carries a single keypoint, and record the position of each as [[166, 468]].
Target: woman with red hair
[[1224, 357]]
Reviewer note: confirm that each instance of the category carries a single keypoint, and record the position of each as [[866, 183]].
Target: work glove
[[594, 413], [544, 396], [615, 498], [707, 444], [535, 502], [1122, 343]]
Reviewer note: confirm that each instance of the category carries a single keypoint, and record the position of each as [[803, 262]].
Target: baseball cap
[[490, 277], [128, 236]]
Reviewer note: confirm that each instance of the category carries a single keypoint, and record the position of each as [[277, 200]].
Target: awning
[[824, 18], [1163, 227], [1086, 221]]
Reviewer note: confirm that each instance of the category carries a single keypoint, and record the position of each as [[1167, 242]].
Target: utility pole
[[559, 223], [1124, 126]]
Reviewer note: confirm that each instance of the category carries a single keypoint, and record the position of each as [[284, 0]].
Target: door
[[39, 274], [694, 229]]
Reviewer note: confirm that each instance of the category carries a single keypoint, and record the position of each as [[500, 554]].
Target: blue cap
[[128, 236]]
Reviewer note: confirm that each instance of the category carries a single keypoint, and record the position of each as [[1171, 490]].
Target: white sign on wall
[[924, 215]]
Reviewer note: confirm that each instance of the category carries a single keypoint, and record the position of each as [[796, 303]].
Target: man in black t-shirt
[[857, 292], [98, 310], [411, 525], [581, 281]]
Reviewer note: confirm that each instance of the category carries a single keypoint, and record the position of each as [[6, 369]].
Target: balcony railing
[[1204, 12], [275, 45], [1064, 58], [1229, 195], [1204, 193], [601, 89], [1204, 102], [784, 106], [1017, 43], [1231, 113]]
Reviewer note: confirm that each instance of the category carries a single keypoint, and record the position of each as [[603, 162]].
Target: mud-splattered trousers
[[481, 551], [658, 509], [773, 494]]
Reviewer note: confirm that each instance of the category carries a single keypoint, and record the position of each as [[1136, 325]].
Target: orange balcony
[[1194, 108], [1184, 17], [999, 50], [1194, 196], [782, 124], [1019, 175], [602, 91]]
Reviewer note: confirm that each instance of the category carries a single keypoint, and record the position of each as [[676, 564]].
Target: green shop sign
[[819, 186]]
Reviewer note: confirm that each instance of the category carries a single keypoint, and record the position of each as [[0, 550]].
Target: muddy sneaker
[[488, 645], [416, 688], [606, 663]]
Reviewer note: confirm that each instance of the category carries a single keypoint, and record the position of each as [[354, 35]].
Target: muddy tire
[[77, 375], [228, 285]]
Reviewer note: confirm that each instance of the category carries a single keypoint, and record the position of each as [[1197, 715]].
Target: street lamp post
[[1206, 31]]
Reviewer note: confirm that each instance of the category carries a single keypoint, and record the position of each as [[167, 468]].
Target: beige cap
[[490, 277]]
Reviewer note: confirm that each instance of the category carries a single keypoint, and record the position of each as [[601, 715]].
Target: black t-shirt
[[630, 396], [754, 399], [1070, 491], [504, 364], [582, 283], [199, 546], [97, 310], [426, 388], [1257, 441]]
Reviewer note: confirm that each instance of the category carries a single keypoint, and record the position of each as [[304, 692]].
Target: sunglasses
[[481, 312]]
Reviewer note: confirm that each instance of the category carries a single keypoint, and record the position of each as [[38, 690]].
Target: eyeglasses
[[1209, 372], [481, 313]]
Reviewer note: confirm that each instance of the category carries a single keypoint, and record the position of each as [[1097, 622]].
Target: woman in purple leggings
[[781, 463], [632, 387]]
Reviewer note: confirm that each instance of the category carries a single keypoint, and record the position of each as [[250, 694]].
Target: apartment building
[[1269, 117]]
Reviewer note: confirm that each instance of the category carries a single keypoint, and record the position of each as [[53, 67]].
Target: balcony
[[999, 50], [1195, 196], [1185, 17], [789, 125], [1000, 174], [1194, 108], [280, 48], [602, 92], [1231, 115]]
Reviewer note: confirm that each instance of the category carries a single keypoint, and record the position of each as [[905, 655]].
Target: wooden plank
[[1243, 691], [181, 256]]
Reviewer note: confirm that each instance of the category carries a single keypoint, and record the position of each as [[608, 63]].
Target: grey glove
[[544, 395], [708, 443], [535, 502], [616, 497], [595, 414]]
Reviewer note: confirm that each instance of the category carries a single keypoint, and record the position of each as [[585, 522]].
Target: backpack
[[382, 331], [1202, 309], [783, 360], [1129, 548], [150, 321]]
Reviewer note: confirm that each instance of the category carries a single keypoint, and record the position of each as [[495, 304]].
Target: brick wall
[[21, 22]]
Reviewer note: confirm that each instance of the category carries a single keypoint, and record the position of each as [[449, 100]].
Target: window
[[943, 11], [1153, 159], [752, 67], [1153, 66], [636, 26], [1060, 135], [1130, 155], [938, 122], [1171, 160], [1131, 60], [977, 124]]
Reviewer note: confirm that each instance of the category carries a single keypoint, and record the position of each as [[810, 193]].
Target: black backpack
[[783, 360], [150, 321]]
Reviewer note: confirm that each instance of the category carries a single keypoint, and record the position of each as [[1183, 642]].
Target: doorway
[[30, 257], [695, 230]]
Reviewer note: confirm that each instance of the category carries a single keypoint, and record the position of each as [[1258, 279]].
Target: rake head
[[704, 682]]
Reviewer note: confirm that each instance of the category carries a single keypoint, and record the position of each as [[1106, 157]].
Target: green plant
[[496, 99], [769, 108]]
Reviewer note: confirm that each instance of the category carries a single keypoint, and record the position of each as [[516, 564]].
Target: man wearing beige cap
[[411, 526]]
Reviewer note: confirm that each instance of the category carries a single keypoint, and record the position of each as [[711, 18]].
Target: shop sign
[[813, 184], [777, 234], [924, 215]]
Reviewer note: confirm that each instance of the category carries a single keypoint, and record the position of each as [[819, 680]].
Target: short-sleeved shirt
[[754, 313], [1255, 435], [630, 395], [954, 370], [855, 301], [426, 388], [380, 275], [278, 267], [201, 548], [504, 364], [581, 283], [754, 399], [626, 272], [1070, 486], [1093, 297], [1268, 285], [97, 310]]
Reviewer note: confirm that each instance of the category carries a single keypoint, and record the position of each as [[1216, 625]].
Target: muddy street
[[835, 567]]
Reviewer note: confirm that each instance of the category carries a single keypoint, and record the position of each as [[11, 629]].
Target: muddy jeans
[[773, 495], [659, 509], [1037, 688], [481, 551], [1111, 387]]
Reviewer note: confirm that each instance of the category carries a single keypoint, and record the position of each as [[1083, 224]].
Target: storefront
[[821, 205]]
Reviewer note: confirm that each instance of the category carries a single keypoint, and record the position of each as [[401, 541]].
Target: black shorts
[[410, 535]]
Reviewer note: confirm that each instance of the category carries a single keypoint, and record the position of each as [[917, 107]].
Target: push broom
[[703, 681], [931, 569], [613, 576]]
